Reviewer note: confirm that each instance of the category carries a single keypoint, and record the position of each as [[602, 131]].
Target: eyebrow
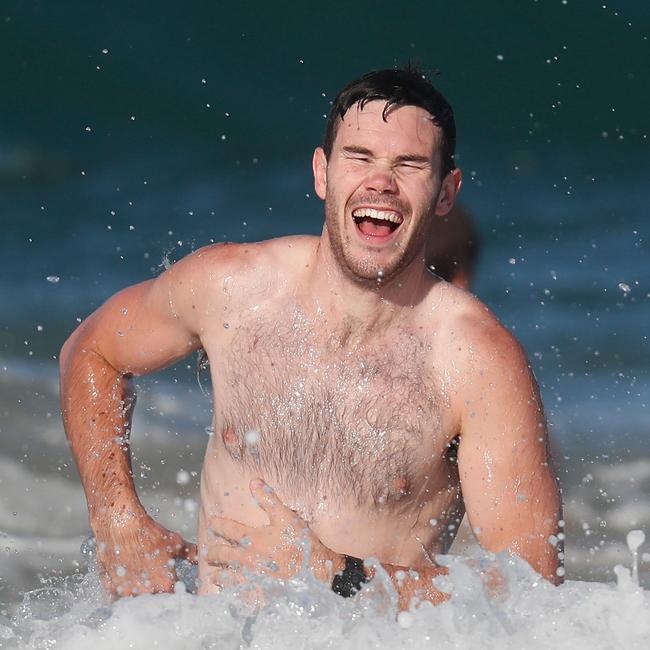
[[358, 150], [363, 151]]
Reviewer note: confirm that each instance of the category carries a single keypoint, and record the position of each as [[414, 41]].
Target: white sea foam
[[527, 612]]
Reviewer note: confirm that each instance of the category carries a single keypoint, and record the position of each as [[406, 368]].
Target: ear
[[319, 166], [450, 188]]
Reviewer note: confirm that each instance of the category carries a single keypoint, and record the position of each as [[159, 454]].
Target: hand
[[139, 557], [277, 549]]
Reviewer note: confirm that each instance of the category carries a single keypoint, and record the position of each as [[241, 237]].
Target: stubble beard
[[364, 269]]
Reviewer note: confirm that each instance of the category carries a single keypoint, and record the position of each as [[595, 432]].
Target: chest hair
[[325, 414]]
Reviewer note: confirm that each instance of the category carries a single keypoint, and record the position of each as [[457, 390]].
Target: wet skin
[[349, 425], [342, 372]]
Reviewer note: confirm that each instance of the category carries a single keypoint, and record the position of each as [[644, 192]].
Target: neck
[[369, 302]]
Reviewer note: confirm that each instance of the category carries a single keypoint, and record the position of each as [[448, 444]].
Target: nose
[[381, 180]]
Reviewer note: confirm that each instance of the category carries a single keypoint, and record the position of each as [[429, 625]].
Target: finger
[[162, 584], [268, 500], [230, 530], [220, 555], [188, 552], [107, 583]]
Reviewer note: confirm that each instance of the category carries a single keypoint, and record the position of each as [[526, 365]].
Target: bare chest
[[326, 415]]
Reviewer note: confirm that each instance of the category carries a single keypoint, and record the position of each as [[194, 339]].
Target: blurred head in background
[[453, 247]]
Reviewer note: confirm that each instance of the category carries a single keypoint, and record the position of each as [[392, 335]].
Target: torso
[[352, 430]]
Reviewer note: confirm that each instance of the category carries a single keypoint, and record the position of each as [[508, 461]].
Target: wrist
[[116, 519]]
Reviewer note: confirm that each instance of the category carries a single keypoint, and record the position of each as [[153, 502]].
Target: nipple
[[232, 442]]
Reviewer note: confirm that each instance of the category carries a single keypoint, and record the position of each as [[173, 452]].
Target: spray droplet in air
[[53, 278], [625, 288], [634, 539]]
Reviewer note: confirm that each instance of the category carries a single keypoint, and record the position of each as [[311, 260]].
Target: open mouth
[[377, 223]]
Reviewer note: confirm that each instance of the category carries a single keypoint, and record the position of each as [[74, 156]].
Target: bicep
[[140, 329], [510, 493]]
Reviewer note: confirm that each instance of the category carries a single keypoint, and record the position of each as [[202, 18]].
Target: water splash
[[524, 611], [634, 539]]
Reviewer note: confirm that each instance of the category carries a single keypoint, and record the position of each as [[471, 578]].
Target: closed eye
[[413, 162], [412, 165], [358, 154]]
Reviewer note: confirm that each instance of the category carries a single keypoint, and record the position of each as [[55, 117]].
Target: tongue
[[375, 227]]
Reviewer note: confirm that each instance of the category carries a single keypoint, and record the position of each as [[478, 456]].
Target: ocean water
[[526, 613], [130, 136]]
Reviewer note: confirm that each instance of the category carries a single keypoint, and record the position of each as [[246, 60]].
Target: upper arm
[[509, 489], [146, 326]]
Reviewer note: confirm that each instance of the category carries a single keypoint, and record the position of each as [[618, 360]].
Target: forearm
[[97, 403]]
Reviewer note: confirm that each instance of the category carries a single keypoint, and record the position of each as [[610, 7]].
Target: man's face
[[381, 186]]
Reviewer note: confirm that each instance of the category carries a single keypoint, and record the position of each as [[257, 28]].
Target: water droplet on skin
[[252, 437], [121, 571]]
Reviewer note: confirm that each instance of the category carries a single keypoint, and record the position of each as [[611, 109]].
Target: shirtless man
[[365, 390]]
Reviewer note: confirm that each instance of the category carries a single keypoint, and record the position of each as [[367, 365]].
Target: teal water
[[131, 132]]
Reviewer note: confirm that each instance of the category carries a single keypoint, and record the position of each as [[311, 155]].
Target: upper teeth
[[378, 214]]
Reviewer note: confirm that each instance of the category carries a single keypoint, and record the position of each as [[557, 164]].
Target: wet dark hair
[[397, 88]]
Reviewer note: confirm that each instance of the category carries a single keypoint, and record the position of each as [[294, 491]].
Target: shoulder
[[471, 339], [482, 367], [240, 263], [233, 275]]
